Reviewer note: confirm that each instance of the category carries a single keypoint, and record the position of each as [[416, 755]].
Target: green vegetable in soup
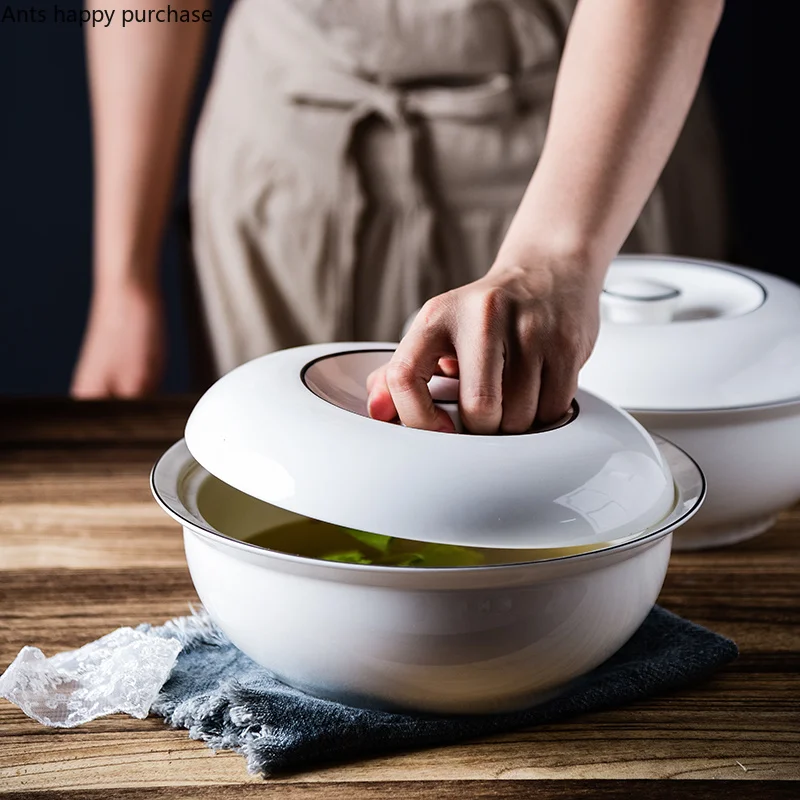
[[374, 540], [390, 551], [327, 542], [394, 552], [450, 555], [314, 539], [348, 557]]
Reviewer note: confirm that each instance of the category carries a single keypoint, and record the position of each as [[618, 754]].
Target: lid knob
[[639, 301], [444, 392]]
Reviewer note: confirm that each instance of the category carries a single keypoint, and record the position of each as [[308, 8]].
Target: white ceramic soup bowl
[[751, 460], [719, 377], [458, 640]]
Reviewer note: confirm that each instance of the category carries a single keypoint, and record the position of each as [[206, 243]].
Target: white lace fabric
[[121, 672]]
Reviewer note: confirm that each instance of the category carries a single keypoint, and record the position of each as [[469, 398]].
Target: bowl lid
[[292, 429], [681, 335]]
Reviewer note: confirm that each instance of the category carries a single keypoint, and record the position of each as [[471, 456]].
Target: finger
[[559, 384], [521, 385], [90, 391], [448, 367], [90, 388], [380, 405], [375, 376], [133, 390], [412, 366], [132, 384], [480, 392]]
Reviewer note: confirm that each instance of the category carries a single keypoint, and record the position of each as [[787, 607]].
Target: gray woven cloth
[[224, 698]]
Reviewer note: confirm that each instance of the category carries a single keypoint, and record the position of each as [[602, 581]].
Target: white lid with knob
[[632, 300], [292, 429], [680, 334]]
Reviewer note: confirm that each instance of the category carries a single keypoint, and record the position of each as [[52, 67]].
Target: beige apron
[[356, 157]]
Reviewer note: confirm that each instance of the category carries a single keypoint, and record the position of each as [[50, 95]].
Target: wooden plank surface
[[84, 549]]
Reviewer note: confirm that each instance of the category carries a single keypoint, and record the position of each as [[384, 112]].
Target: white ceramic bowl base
[[455, 643], [460, 640], [751, 460]]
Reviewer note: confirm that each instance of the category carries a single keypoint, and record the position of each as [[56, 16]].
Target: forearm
[[141, 80], [629, 73]]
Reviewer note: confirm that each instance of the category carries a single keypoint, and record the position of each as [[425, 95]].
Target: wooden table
[[84, 549]]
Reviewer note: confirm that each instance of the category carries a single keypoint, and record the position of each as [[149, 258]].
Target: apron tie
[[406, 110]]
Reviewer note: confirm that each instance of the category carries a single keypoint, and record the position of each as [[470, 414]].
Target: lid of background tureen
[[292, 429], [678, 334]]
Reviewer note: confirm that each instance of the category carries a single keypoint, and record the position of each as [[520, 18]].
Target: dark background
[[45, 187]]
